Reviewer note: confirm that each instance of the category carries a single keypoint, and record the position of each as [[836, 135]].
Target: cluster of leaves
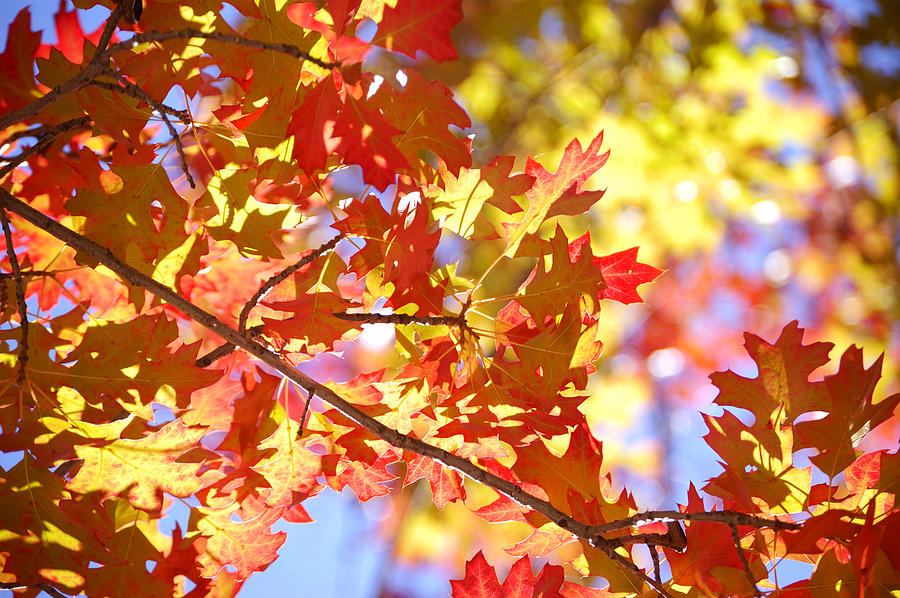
[[178, 172], [756, 161]]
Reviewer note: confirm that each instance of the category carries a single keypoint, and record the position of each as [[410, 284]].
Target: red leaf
[[446, 484], [411, 25], [559, 193], [480, 581], [312, 126], [623, 274], [367, 139], [710, 549], [17, 87]]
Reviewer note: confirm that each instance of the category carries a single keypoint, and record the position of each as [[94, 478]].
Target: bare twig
[[626, 564], [160, 109], [46, 587], [654, 556], [132, 90], [45, 139], [402, 319], [309, 399], [160, 36], [226, 349], [737, 546], [27, 274], [41, 131], [20, 297], [719, 516], [274, 280]]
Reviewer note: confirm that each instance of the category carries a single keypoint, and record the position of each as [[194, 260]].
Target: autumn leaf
[[559, 193], [410, 26]]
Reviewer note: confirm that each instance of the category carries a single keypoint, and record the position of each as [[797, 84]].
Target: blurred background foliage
[[754, 156]]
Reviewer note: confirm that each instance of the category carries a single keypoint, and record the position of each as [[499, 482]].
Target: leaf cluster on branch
[[191, 209]]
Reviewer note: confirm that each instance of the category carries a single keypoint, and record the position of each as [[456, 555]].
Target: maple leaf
[[313, 323], [367, 139], [621, 271], [410, 26], [423, 111], [446, 485], [247, 546], [142, 469], [571, 277], [459, 199], [559, 193], [17, 87], [783, 379], [481, 581], [314, 138], [851, 413]]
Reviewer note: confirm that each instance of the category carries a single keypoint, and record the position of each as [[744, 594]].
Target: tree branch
[[726, 517], [45, 136], [209, 321], [737, 546], [45, 587], [402, 319], [20, 297], [390, 435], [132, 90], [160, 109], [274, 280], [160, 36]]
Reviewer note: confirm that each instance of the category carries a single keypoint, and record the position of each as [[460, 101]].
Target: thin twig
[[309, 399], [50, 134], [41, 131], [20, 297], [402, 319], [160, 36], [625, 563], [719, 516], [46, 587], [27, 273], [137, 93], [226, 349], [160, 109], [654, 556], [274, 280], [737, 545]]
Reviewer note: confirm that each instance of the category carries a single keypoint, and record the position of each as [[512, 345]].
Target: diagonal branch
[[223, 350], [390, 435], [209, 321], [45, 135], [727, 517], [274, 280], [132, 90], [148, 99], [402, 319], [20, 297]]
